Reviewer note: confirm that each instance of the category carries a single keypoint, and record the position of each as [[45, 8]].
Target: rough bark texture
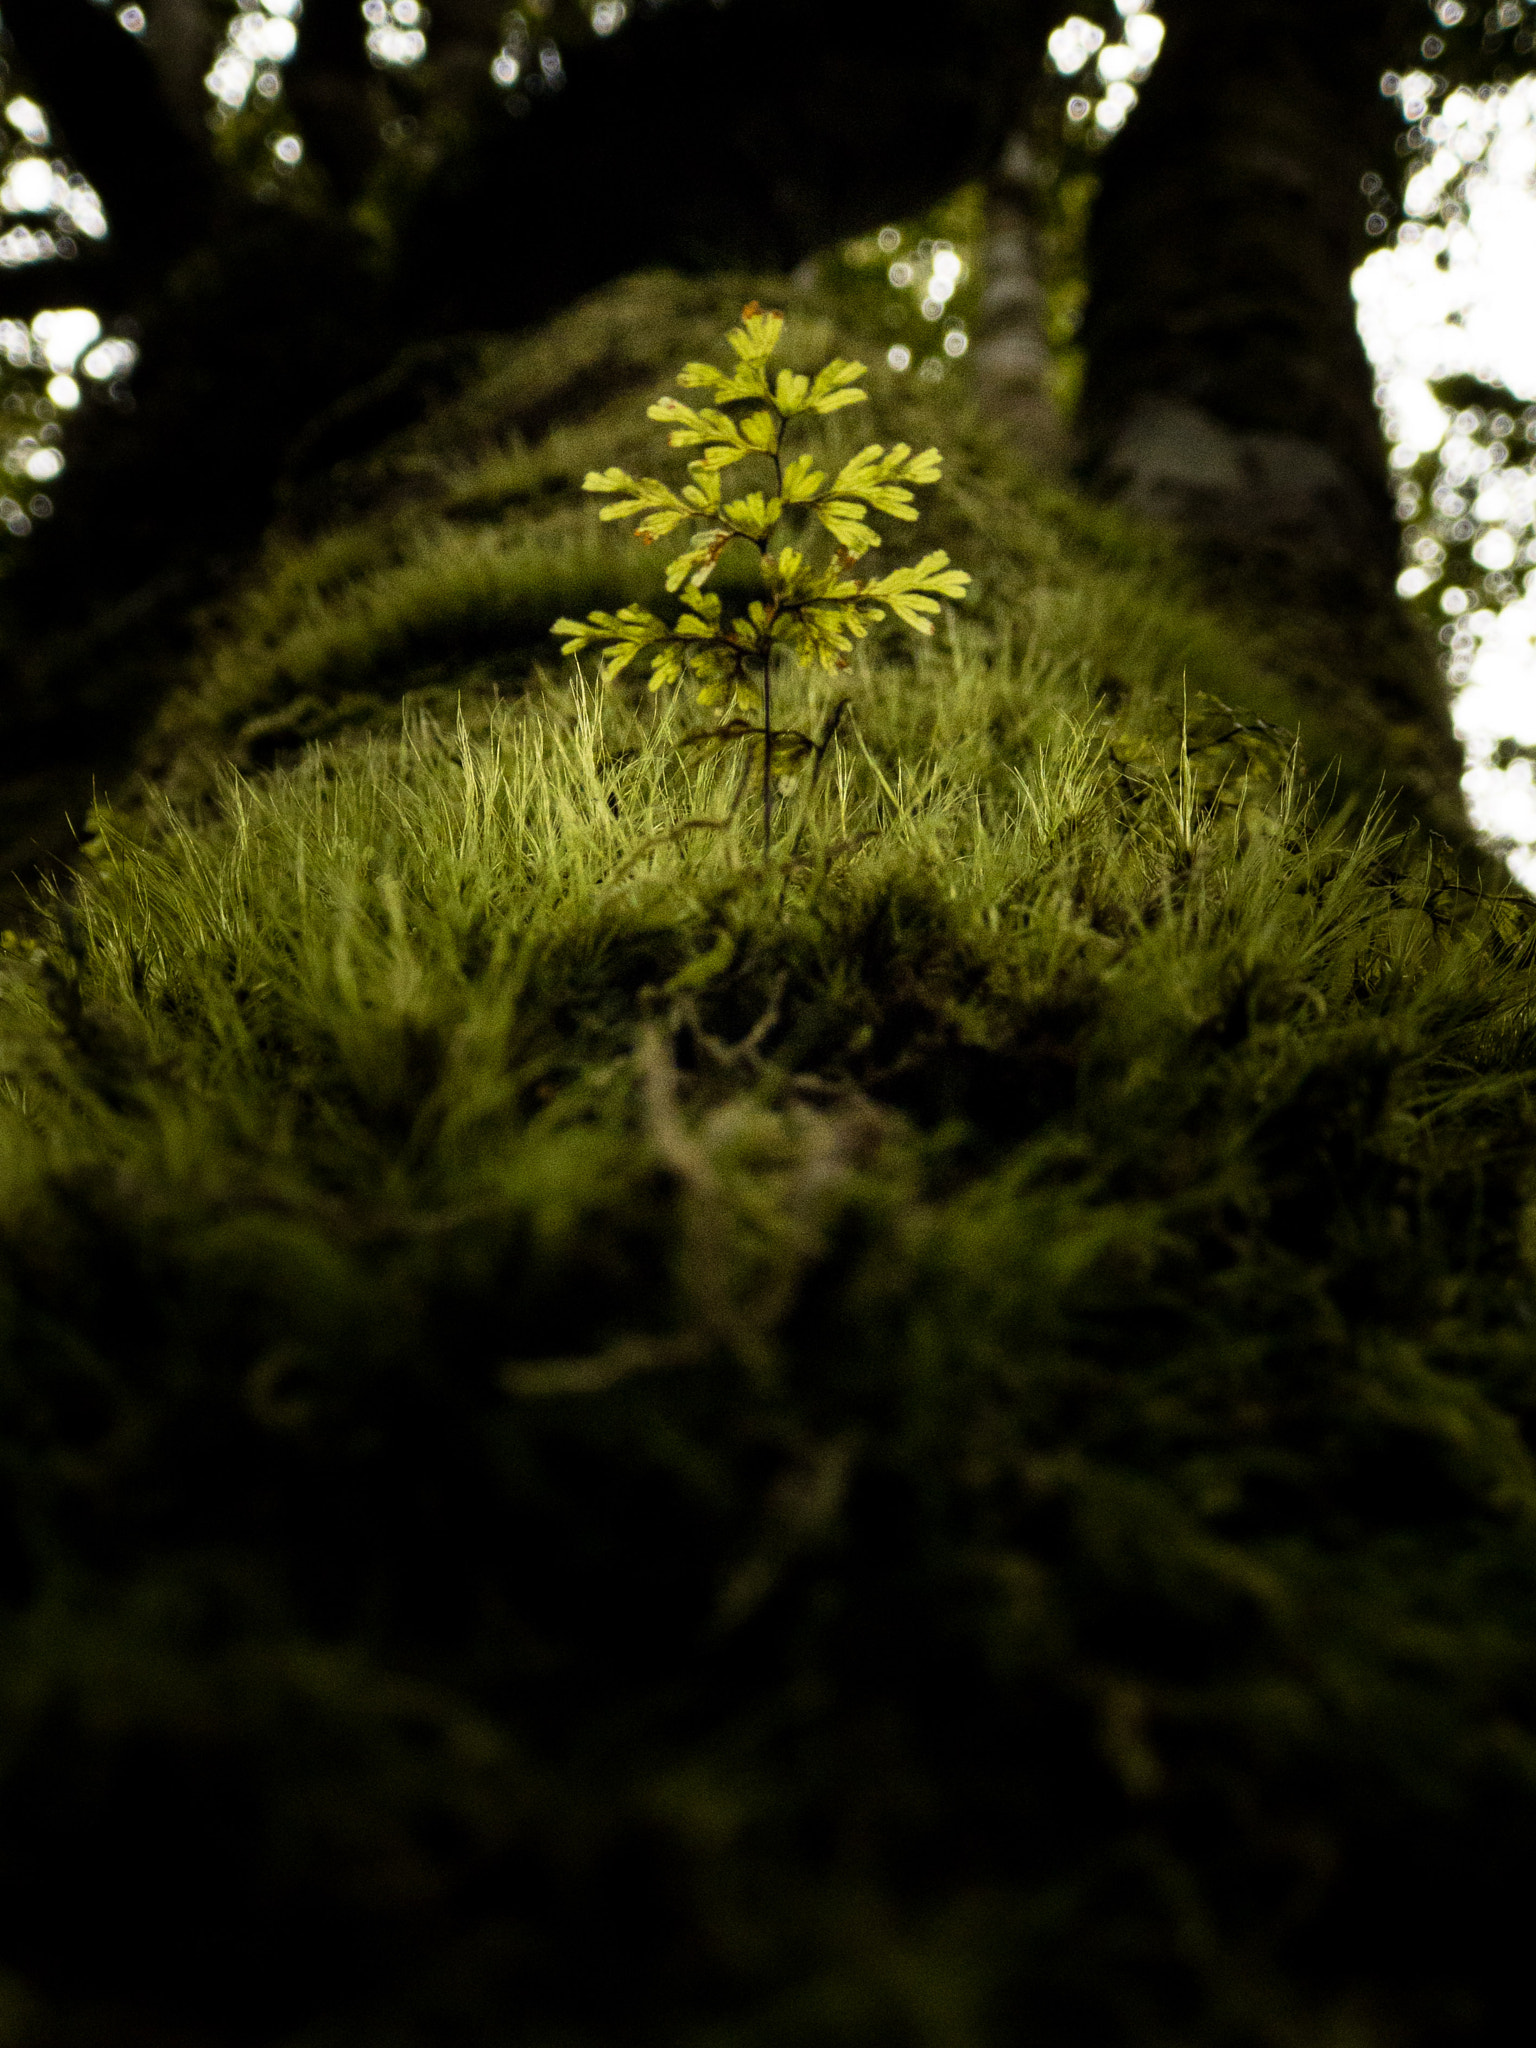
[[1228, 226]]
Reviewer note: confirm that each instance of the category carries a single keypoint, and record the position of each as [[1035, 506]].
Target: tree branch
[[181, 43], [99, 276], [335, 94], [815, 123]]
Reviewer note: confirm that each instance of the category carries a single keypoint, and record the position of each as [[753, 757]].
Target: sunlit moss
[[937, 1427], [474, 534]]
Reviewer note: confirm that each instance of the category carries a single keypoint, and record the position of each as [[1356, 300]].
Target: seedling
[[811, 610]]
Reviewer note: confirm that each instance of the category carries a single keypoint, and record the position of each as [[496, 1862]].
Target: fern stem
[[767, 751]]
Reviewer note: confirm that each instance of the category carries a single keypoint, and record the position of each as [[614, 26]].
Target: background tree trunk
[[1227, 392], [1013, 364]]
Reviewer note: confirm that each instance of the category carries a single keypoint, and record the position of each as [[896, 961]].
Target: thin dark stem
[[763, 549], [767, 751]]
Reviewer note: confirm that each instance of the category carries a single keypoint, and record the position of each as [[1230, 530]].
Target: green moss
[[928, 1448], [602, 1448], [438, 565]]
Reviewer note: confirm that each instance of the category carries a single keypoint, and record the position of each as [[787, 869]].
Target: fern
[[814, 605]]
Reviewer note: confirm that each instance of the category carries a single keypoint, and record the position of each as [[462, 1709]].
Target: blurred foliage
[[1437, 499], [1481, 51], [1473, 44], [882, 285]]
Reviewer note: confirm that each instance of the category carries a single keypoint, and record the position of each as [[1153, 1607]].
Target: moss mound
[[430, 568], [926, 1448]]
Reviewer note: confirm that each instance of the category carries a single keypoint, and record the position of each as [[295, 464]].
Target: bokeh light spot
[[114, 358], [64, 334], [1070, 46], [28, 118], [1453, 294], [28, 186]]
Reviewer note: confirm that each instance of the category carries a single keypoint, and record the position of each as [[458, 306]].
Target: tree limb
[[334, 93], [99, 276], [181, 42], [814, 123]]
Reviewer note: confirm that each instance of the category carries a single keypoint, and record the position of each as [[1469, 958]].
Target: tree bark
[[1012, 362], [1227, 392], [1226, 380]]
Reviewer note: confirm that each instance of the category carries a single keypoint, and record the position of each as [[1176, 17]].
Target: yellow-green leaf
[[802, 480], [754, 515], [579, 633], [695, 563], [789, 392], [913, 592], [836, 400], [830, 391], [845, 522], [618, 658], [760, 430], [667, 666], [892, 499], [657, 524], [926, 468], [703, 494], [702, 377], [672, 410], [758, 335]]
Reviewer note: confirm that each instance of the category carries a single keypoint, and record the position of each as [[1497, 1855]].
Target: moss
[[932, 1446], [441, 559], [929, 1448]]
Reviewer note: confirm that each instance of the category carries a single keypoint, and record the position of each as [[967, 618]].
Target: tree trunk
[[1227, 392], [1014, 370]]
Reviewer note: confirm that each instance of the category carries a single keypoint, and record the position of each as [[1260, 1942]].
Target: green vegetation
[[926, 1448], [811, 611], [429, 569]]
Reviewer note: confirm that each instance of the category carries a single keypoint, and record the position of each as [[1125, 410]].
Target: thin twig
[[660, 839]]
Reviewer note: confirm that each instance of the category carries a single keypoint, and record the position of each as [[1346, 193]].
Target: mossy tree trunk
[[1227, 391], [278, 340]]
